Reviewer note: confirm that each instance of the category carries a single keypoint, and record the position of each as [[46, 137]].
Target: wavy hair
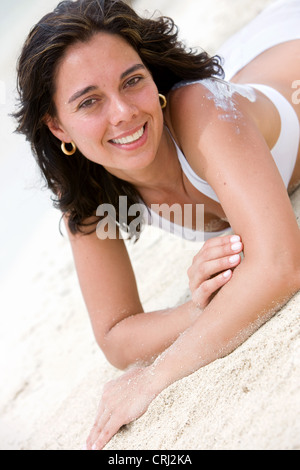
[[78, 184]]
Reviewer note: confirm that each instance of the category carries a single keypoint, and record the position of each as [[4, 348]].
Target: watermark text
[[186, 221]]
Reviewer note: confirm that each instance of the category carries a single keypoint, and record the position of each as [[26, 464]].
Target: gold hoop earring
[[164, 101], [68, 152]]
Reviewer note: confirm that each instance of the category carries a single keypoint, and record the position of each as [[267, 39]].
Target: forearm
[[236, 311], [142, 337], [239, 309]]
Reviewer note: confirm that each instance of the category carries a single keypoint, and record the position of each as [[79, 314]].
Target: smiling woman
[[153, 122], [81, 184], [116, 108]]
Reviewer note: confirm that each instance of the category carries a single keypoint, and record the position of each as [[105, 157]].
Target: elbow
[[275, 275], [287, 281], [290, 283], [289, 271], [296, 278], [296, 267], [117, 361], [114, 352], [281, 274]]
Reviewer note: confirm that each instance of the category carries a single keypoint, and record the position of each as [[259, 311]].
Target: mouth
[[129, 140]]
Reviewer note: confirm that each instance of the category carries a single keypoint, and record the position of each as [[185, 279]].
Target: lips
[[132, 139], [129, 138]]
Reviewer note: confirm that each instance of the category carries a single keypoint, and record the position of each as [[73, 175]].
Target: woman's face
[[107, 104]]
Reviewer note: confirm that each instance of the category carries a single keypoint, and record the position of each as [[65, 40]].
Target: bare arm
[[125, 333], [241, 170], [225, 323]]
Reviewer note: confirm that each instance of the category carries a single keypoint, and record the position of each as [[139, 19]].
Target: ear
[[56, 128]]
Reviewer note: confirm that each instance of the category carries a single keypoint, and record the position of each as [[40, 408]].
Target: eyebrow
[[132, 69], [80, 93], [88, 89]]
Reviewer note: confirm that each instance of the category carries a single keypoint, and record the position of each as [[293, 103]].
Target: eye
[[87, 103], [133, 81]]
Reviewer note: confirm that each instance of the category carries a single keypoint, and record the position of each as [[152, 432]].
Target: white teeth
[[130, 139]]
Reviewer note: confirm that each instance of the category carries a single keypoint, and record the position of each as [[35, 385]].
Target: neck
[[152, 180], [158, 182]]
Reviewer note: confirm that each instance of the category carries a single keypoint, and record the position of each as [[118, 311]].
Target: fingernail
[[234, 259], [227, 274], [235, 239], [236, 246]]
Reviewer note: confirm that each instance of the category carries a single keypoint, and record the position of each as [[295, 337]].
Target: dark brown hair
[[78, 184]]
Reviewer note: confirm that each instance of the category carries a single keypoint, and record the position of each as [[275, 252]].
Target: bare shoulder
[[224, 146], [197, 112], [210, 112], [187, 113], [187, 102], [201, 102]]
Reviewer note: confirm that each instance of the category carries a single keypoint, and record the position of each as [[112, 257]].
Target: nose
[[121, 109]]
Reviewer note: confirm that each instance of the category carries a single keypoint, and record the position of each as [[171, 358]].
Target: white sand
[[52, 371]]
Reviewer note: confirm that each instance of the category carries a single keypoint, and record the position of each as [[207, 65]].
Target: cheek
[[151, 104], [148, 97], [153, 100], [87, 132]]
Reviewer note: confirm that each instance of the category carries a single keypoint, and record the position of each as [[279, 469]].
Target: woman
[[113, 105]]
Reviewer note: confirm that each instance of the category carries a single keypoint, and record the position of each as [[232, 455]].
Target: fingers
[[202, 295], [107, 424], [102, 419], [213, 267], [111, 427], [123, 401], [216, 256], [218, 248]]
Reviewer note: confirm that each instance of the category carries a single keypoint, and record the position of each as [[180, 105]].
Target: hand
[[212, 267], [124, 400]]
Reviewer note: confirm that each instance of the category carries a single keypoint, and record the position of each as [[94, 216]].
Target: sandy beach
[[53, 371]]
